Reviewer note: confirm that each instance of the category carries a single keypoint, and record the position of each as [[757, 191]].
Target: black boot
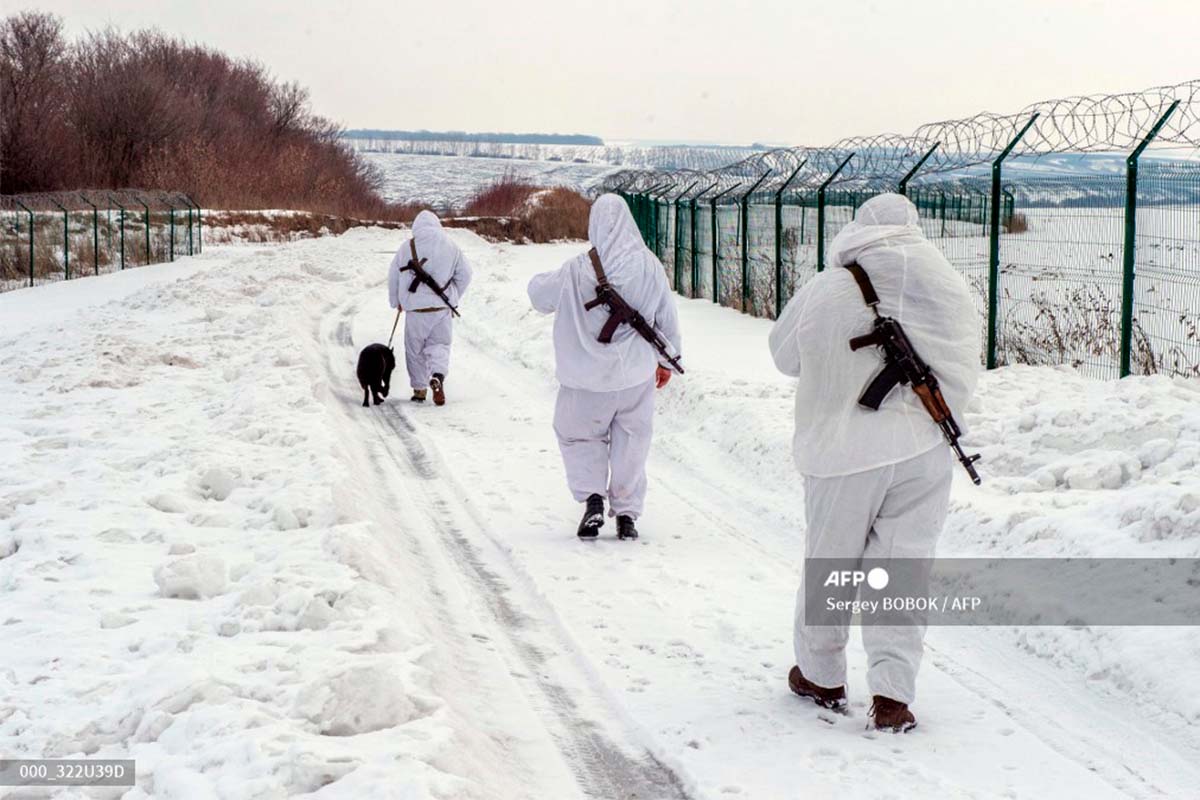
[[593, 518], [625, 528]]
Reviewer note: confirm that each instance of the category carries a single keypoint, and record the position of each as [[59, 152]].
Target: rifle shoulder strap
[[601, 278], [864, 285]]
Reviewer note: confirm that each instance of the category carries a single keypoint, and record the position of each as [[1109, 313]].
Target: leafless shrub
[[142, 109], [515, 210], [504, 197], [1016, 223], [555, 214]]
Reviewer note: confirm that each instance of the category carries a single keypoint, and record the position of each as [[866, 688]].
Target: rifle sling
[[864, 285], [594, 257]]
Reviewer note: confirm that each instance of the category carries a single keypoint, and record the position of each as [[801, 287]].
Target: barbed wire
[[86, 199], [1080, 124]]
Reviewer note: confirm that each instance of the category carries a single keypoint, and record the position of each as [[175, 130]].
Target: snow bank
[[175, 585]]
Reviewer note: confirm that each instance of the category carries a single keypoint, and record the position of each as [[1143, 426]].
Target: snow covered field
[[450, 181], [214, 561]]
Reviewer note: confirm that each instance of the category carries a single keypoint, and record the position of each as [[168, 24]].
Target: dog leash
[[394, 324]]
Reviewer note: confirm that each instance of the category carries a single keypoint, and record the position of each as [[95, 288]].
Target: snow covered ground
[[450, 181], [214, 561]]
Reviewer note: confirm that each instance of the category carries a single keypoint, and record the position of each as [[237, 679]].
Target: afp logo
[[877, 578]]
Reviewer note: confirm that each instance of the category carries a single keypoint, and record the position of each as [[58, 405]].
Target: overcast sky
[[780, 71]]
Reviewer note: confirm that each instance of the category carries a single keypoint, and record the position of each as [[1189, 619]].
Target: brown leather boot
[[418, 396], [834, 698], [892, 715], [437, 383]]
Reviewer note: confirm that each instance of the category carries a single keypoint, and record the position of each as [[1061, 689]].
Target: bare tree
[[32, 55]]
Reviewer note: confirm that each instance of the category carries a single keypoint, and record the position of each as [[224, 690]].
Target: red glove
[[661, 376]]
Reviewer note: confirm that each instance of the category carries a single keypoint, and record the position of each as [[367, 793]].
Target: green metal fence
[[1165, 329], [61, 236], [1094, 265], [1049, 282]]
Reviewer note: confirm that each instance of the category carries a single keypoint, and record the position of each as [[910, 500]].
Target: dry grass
[[258, 227], [1017, 223], [503, 198], [514, 210]]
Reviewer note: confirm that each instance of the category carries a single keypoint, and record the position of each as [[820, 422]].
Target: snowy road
[[405, 611], [689, 628]]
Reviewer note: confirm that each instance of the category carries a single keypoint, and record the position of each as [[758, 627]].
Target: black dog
[[375, 365]]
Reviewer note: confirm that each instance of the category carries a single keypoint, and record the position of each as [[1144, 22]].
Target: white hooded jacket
[[445, 263], [629, 360], [917, 286]]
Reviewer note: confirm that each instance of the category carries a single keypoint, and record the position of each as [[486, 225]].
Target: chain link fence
[[1088, 261], [59, 236]]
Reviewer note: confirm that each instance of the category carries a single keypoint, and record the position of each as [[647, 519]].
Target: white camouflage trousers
[[605, 438], [895, 511], [427, 345]]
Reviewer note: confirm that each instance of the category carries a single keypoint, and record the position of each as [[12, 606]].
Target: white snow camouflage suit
[[428, 324], [877, 483], [605, 411]]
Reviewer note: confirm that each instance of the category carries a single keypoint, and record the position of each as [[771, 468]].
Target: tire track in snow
[[603, 769]]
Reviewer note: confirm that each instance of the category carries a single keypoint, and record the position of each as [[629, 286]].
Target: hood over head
[[426, 220], [428, 233], [614, 234], [889, 217]]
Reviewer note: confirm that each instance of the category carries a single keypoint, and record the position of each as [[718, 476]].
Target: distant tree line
[[141, 109], [462, 136]]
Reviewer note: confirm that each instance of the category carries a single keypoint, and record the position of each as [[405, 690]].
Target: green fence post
[[712, 203], [1130, 254], [66, 241], [903, 187], [95, 234], [994, 245], [191, 207], [652, 201], [171, 219], [149, 257], [779, 239], [821, 212], [632, 201], [744, 201], [639, 214], [678, 235], [30, 213], [695, 247], [121, 222]]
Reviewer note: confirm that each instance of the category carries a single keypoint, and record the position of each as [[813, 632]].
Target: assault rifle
[[903, 366], [621, 312], [420, 276]]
